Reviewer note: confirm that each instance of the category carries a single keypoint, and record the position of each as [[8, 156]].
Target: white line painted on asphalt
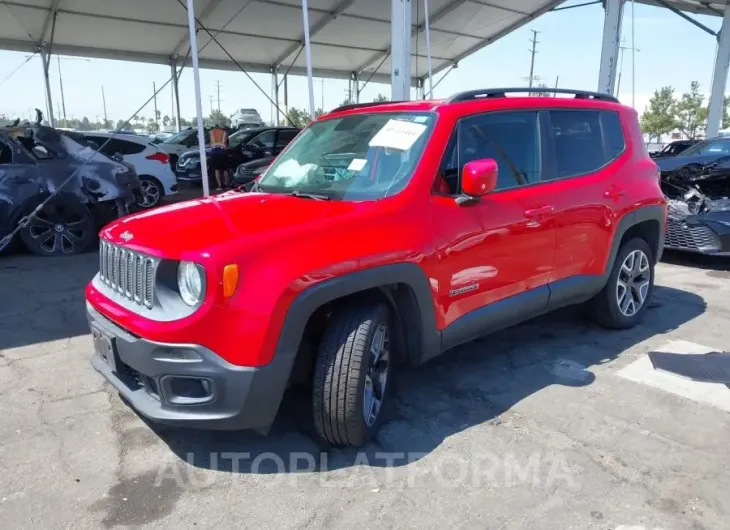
[[642, 371]]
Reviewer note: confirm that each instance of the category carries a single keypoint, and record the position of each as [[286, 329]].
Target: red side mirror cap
[[479, 177]]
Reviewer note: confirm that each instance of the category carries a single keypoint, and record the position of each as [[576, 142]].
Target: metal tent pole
[[308, 55], [49, 100], [719, 78], [610, 46], [400, 50], [198, 102], [428, 51]]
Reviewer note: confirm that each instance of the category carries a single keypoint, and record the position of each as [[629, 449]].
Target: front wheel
[[64, 227], [351, 377], [150, 192], [623, 301]]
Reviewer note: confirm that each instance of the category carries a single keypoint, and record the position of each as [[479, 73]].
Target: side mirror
[[478, 178]]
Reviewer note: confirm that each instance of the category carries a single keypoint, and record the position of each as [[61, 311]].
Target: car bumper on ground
[[183, 384], [699, 234]]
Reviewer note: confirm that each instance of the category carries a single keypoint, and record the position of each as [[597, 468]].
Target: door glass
[[578, 142], [510, 138], [285, 137], [265, 140]]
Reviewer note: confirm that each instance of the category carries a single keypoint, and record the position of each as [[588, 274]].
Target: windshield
[[178, 138], [357, 157], [708, 147]]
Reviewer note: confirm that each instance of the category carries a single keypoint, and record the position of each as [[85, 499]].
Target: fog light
[[180, 390]]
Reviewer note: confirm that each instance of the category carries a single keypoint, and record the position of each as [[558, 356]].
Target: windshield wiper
[[306, 195]]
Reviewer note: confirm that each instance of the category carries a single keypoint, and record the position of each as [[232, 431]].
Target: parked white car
[[246, 119], [151, 164]]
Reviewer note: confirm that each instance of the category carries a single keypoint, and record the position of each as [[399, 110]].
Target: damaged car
[[697, 185], [86, 190]]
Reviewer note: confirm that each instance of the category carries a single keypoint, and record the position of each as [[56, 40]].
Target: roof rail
[[361, 105], [502, 93]]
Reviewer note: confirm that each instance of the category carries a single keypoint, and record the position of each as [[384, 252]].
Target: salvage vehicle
[[448, 220], [35, 162], [243, 146], [697, 185], [673, 148]]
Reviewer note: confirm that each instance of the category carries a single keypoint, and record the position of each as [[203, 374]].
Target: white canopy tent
[[396, 41]]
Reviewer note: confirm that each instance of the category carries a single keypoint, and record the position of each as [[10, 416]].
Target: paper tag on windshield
[[397, 134], [357, 164]]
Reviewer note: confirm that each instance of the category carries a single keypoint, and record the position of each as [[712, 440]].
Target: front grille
[[699, 238], [128, 273]]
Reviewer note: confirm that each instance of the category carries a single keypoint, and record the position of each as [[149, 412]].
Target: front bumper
[[699, 234], [185, 384]]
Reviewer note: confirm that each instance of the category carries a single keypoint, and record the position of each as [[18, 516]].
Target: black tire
[[605, 308], [151, 192], [64, 227], [342, 366]]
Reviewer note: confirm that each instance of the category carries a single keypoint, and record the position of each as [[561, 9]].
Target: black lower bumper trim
[[231, 397]]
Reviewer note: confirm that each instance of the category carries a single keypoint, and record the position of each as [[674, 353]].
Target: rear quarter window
[[585, 140]]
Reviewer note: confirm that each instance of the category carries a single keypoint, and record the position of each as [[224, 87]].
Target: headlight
[[190, 283]]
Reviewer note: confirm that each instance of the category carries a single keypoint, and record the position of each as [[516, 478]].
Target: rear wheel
[[64, 227], [351, 376], [150, 192], [623, 301]]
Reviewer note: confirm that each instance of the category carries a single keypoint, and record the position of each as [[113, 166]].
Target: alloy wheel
[[377, 374], [149, 194], [59, 230], [632, 286]]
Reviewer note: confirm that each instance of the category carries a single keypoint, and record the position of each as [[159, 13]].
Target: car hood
[[193, 227]]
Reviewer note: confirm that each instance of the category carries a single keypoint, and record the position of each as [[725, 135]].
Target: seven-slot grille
[[128, 273]]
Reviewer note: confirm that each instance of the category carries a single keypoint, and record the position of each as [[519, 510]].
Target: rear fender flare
[[633, 218]]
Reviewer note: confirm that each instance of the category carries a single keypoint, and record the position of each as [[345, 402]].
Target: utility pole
[[533, 51], [60, 82], [557, 78], [211, 104], [154, 92], [103, 100], [218, 86]]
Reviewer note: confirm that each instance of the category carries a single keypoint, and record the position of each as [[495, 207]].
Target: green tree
[[298, 117], [84, 125], [380, 98], [217, 118], [165, 121], [659, 117], [691, 114]]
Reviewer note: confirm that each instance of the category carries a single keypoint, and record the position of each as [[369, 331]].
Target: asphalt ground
[[537, 426]]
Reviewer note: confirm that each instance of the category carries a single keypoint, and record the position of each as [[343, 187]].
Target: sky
[[671, 52]]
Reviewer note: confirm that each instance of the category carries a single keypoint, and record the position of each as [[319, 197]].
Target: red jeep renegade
[[384, 234]]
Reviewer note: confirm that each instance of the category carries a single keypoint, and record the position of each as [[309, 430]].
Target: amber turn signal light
[[230, 280]]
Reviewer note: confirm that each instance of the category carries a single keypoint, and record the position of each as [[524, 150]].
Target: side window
[[285, 136], [265, 140], [578, 142], [126, 147], [613, 135], [511, 138], [6, 154]]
